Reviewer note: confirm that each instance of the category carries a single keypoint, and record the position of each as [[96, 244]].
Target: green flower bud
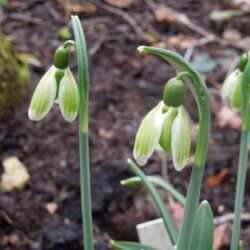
[[44, 96], [181, 139], [68, 96], [174, 91], [61, 58], [165, 139], [243, 61], [148, 134]]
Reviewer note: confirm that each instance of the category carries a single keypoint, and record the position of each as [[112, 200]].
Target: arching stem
[[200, 92]]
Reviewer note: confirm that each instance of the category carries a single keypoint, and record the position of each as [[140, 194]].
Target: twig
[[229, 217], [26, 18], [183, 20], [131, 21]]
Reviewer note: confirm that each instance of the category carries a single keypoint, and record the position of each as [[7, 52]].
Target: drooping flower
[[231, 88], [57, 85], [167, 128]]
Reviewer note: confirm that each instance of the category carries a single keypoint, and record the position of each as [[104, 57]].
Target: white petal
[[230, 84], [181, 139], [68, 96], [44, 96], [148, 134]]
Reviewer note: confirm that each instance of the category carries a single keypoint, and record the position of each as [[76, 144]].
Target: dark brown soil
[[124, 87]]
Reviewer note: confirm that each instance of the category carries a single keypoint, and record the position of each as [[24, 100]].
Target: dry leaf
[[215, 180], [106, 133], [181, 41], [164, 15], [78, 7], [222, 236], [120, 3], [15, 174], [227, 117]]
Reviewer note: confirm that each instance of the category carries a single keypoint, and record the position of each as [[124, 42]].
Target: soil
[[124, 87]]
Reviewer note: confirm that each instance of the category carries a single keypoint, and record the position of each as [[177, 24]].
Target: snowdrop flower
[[56, 86], [166, 128], [231, 88]]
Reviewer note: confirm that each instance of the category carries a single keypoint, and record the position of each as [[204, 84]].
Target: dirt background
[[124, 87]]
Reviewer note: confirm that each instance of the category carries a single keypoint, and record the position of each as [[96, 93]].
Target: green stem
[[200, 92], [83, 78], [242, 167], [69, 43], [169, 225]]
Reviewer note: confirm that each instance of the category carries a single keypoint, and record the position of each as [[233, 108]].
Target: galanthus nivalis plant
[[236, 88]]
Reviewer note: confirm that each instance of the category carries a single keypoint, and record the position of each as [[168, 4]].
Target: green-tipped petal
[[236, 93], [148, 134], [181, 139], [230, 83], [68, 96], [165, 139], [44, 96]]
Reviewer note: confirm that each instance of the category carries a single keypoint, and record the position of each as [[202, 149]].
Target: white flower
[[231, 88], [55, 86], [165, 128]]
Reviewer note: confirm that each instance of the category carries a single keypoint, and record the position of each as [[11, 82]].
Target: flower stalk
[[242, 167], [83, 79]]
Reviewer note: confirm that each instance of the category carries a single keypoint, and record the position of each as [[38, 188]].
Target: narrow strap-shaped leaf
[[168, 222], [157, 181], [203, 234], [241, 246], [129, 245]]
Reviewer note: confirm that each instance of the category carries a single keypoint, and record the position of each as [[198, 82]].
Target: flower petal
[[181, 139], [68, 96], [44, 96], [148, 134]]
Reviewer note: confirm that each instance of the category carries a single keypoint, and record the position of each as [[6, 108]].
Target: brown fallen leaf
[[78, 7], [222, 234], [227, 117], [215, 180], [120, 3], [15, 174], [164, 15], [51, 207]]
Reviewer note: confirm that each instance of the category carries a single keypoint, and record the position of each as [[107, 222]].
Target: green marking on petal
[[44, 96], [165, 139], [68, 96], [148, 134], [181, 139]]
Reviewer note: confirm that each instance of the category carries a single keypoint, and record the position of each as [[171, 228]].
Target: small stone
[[52, 207], [15, 174]]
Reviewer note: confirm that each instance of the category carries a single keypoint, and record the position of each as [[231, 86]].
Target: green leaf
[[204, 63], [129, 245], [4, 3], [241, 246], [203, 234], [157, 181], [220, 15]]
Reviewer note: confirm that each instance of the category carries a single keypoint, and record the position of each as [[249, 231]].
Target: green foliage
[[203, 234], [64, 33], [15, 79], [204, 63], [129, 245], [220, 15]]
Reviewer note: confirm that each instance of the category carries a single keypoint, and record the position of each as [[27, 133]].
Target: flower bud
[[174, 91], [68, 96], [61, 58], [231, 88], [165, 139], [148, 134], [44, 96], [181, 139]]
